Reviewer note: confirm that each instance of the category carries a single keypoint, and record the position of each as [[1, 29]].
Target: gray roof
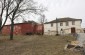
[[64, 20]]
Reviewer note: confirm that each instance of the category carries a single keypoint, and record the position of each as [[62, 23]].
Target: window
[[51, 24], [67, 24], [61, 24], [73, 22]]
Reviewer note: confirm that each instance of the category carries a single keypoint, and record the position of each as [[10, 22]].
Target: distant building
[[25, 28], [63, 26]]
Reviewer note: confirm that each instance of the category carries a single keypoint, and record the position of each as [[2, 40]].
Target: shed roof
[[27, 22]]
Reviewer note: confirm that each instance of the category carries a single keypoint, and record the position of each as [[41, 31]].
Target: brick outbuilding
[[23, 29]]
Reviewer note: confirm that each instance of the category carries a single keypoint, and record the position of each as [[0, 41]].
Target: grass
[[35, 45]]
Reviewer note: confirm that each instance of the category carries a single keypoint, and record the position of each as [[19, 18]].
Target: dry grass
[[35, 45]]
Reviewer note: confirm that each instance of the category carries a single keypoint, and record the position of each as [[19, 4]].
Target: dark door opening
[[84, 31], [73, 30]]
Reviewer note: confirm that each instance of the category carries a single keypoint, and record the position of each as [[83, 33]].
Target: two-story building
[[63, 26]]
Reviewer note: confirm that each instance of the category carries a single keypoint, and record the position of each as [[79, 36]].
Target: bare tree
[[4, 11], [2, 8], [18, 8], [42, 20]]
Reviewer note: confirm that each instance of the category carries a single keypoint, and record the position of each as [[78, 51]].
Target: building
[[23, 29], [63, 26]]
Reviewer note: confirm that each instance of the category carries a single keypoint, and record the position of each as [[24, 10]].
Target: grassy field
[[35, 45]]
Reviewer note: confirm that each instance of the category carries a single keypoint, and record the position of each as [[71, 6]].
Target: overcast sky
[[64, 8]]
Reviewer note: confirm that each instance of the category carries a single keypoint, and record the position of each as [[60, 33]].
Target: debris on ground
[[73, 45]]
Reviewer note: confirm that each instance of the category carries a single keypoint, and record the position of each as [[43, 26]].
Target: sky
[[64, 8], [60, 9]]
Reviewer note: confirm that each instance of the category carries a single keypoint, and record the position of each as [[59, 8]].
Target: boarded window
[[61, 24], [73, 22], [67, 23]]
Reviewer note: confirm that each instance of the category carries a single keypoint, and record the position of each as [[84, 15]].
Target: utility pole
[[57, 27]]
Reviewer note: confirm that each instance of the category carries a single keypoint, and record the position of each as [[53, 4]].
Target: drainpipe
[[57, 27]]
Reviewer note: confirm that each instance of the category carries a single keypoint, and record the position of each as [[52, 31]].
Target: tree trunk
[[0, 24], [42, 29], [11, 30]]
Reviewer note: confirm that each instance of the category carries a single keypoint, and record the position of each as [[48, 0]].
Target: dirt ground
[[35, 45]]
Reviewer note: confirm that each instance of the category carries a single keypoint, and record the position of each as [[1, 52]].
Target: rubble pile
[[73, 46]]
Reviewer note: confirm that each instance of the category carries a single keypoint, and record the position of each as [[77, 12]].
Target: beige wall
[[67, 29]]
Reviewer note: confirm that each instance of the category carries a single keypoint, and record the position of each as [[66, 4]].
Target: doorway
[[73, 30]]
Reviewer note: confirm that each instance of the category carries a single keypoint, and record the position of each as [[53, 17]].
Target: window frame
[[73, 22], [61, 23]]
